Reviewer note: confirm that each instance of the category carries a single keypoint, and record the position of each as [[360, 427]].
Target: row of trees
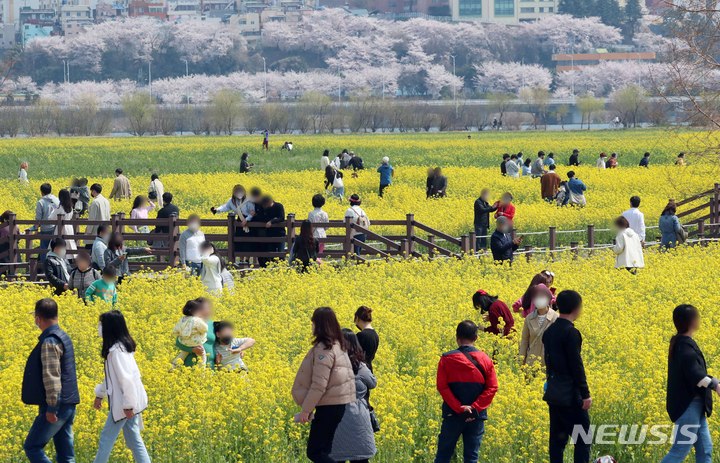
[[628, 18]]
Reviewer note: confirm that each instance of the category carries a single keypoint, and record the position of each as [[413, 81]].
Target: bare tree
[[224, 111], [588, 105], [139, 110]]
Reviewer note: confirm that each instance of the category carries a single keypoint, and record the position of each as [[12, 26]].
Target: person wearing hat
[[531, 347], [574, 158], [502, 243], [357, 217], [492, 310], [600, 163], [386, 172]]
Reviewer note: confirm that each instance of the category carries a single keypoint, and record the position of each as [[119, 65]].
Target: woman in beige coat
[[325, 383], [531, 345]]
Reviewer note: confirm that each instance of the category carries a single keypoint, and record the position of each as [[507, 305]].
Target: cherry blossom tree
[[495, 77]]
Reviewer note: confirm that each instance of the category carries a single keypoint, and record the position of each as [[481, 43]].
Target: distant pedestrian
[[550, 184], [191, 241], [99, 209], [672, 232], [538, 166], [121, 186], [636, 218], [690, 390], [439, 185], [50, 382], [645, 161], [386, 172], [356, 162], [628, 247], [574, 160], [325, 160], [318, 215], [22, 174], [549, 160], [612, 163], [245, 166], [511, 167], [576, 190], [43, 209], [482, 210], [156, 190], [57, 271], [467, 383], [526, 168], [680, 160], [502, 244], [601, 161], [566, 389], [503, 164], [266, 140], [358, 217]]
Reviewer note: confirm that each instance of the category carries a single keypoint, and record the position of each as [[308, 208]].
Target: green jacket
[[101, 290], [209, 348]]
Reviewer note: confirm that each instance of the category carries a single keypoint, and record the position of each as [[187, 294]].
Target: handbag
[[682, 236], [561, 392], [374, 421]]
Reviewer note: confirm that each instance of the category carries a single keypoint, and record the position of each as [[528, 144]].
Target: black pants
[[381, 190], [562, 422], [322, 432]]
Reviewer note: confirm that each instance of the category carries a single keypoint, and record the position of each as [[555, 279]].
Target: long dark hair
[[684, 316], [327, 328], [539, 278], [138, 202], [329, 174], [306, 238], [209, 245], [116, 241], [114, 331], [354, 350], [364, 313], [65, 201], [483, 301]]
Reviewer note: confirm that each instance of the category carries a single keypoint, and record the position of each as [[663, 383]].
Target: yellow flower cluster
[[608, 194], [197, 415]]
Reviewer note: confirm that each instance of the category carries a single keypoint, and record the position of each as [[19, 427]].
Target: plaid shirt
[[51, 352]]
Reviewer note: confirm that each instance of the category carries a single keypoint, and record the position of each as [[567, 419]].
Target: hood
[[52, 255], [51, 199]]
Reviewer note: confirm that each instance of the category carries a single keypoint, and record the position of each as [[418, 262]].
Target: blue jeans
[[452, 428], [194, 268], [360, 237], [60, 432], [45, 244], [133, 440], [693, 416], [481, 243]]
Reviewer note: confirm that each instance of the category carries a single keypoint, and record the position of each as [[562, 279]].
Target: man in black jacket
[[567, 393], [482, 219], [57, 272], [502, 243], [574, 159], [503, 168], [272, 213], [167, 211]]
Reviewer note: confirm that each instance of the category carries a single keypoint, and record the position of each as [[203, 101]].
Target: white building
[[502, 11], [74, 18]]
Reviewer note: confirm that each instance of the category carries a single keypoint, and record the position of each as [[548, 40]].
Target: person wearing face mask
[[244, 209], [99, 247], [493, 310], [482, 210], [83, 275], [56, 266], [502, 243], [505, 207], [123, 388], [230, 350], [525, 303], [189, 246], [531, 346], [50, 382], [212, 267]]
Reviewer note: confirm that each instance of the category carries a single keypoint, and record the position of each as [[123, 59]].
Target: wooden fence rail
[[20, 250]]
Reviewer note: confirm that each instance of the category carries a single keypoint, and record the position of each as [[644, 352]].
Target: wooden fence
[[20, 250]]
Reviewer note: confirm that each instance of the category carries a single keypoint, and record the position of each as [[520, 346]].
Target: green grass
[[92, 157]]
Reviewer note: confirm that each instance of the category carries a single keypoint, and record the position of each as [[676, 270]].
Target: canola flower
[[196, 415]]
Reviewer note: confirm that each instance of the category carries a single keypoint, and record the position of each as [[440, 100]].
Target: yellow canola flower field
[[608, 194], [200, 416]]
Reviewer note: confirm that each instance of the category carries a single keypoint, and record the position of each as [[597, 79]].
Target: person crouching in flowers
[[689, 390], [191, 331], [324, 385], [122, 387], [104, 288], [229, 350], [531, 347], [492, 310]]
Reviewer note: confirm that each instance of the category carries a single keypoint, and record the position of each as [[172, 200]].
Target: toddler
[[229, 349], [191, 331]]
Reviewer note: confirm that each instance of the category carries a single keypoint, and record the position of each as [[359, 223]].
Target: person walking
[[357, 216], [645, 161], [83, 275], [550, 184], [123, 389], [628, 247], [536, 323], [671, 230], [22, 174], [44, 207], [50, 382], [601, 162], [502, 243], [245, 166], [266, 140], [493, 310], [65, 209], [576, 190], [636, 218], [467, 383], [566, 393], [318, 215], [503, 164], [690, 388], [354, 439], [367, 336], [99, 209], [121, 186], [481, 219], [538, 166], [189, 245], [156, 190], [324, 385], [57, 272], [386, 172]]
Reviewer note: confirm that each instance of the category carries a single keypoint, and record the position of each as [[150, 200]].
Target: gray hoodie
[[44, 208]]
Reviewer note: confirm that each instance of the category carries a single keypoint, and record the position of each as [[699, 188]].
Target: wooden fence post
[[716, 216], [115, 222], [405, 248], [59, 227], [591, 236], [574, 248], [347, 242], [431, 249], [528, 253], [13, 243], [701, 233], [465, 244], [231, 237], [552, 238], [410, 232], [174, 243], [473, 242], [290, 233]]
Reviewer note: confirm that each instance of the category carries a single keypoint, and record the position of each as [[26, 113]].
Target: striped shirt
[[51, 352]]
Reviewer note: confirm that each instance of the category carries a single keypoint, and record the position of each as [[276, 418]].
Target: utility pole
[[264, 79], [150, 78], [454, 87], [187, 74]]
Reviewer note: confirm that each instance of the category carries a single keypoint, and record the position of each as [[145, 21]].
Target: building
[[74, 18], [179, 10], [393, 8], [574, 61], [7, 35], [35, 23], [153, 8], [502, 11], [108, 10]]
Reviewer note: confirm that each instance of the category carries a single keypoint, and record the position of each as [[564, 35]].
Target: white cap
[[385, 160]]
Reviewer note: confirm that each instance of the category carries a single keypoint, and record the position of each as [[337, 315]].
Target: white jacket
[[628, 250], [122, 386]]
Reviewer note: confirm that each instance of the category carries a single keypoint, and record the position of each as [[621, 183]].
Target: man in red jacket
[[467, 383]]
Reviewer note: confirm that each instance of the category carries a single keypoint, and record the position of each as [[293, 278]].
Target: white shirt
[[600, 163], [324, 162], [636, 219], [317, 215], [210, 275], [189, 246], [122, 384]]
